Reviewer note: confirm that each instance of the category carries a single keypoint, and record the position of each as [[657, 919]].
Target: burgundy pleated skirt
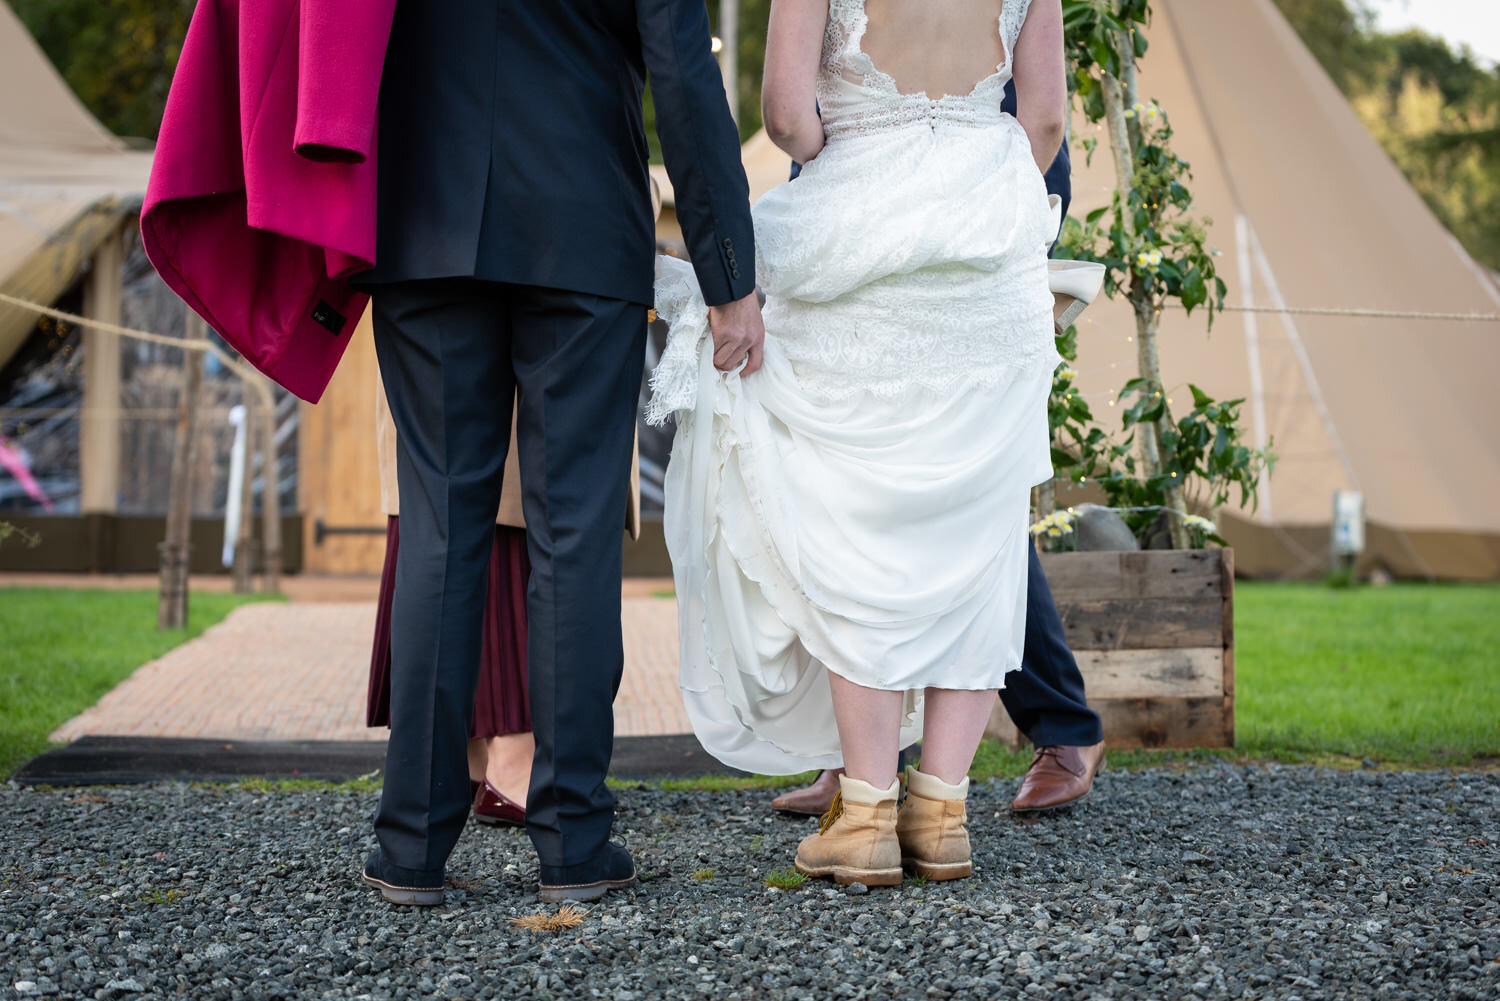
[[500, 705]]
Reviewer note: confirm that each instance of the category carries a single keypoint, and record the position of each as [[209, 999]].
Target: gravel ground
[[1227, 881]]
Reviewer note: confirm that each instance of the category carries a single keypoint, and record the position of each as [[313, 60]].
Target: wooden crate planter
[[1153, 632]]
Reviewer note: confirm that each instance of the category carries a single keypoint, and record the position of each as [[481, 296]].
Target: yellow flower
[[1066, 374], [1055, 524]]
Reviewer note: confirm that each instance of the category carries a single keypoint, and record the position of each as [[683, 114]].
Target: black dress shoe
[[414, 887], [611, 869]]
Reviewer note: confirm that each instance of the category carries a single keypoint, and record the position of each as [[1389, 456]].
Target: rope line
[[247, 374], [1379, 314]]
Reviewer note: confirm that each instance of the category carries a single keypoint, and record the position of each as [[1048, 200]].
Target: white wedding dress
[[860, 504]]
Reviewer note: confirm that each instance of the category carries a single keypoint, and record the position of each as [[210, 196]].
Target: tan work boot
[[930, 827], [856, 839]]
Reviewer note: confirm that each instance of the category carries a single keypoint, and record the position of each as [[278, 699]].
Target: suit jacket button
[[728, 242], [735, 273]]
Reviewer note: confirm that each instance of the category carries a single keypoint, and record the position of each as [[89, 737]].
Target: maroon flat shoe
[[491, 806]]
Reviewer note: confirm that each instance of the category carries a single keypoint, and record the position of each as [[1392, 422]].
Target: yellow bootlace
[[835, 811]]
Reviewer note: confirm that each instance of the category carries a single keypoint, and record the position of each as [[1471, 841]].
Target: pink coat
[[261, 203]]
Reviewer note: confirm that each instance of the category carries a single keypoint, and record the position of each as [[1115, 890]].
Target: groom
[[1045, 698], [516, 250]]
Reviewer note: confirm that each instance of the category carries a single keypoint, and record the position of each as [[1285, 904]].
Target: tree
[[1436, 112], [117, 55], [1154, 249]]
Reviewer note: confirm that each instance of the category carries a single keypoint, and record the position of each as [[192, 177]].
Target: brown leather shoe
[[1059, 776], [813, 800]]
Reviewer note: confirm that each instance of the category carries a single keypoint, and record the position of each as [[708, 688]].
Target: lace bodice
[[855, 96]]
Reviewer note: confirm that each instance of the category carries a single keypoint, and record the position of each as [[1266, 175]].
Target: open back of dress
[[935, 47]]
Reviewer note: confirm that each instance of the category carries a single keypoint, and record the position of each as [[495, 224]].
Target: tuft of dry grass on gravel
[[566, 917]]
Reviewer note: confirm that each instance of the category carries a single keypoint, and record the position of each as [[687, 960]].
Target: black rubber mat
[[127, 760]]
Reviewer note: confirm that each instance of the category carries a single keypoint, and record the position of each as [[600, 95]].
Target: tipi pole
[[244, 551], [270, 495]]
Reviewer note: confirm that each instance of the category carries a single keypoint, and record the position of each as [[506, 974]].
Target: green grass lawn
[[61, 650], [1406, 675], [1407, 672]]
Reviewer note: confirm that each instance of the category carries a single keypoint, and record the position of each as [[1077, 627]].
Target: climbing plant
[[1155, 252]]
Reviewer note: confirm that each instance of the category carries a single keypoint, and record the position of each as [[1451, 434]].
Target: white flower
[[1065, 374], [1055, 524], [1193, 521]]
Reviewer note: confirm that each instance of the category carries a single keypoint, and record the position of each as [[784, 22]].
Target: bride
[[847, 524]]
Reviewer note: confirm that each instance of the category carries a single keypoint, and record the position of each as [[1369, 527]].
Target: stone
[[1098, 529]]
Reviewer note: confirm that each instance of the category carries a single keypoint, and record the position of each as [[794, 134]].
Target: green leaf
[[1200, 398], [1194, 290], [1100, 51]]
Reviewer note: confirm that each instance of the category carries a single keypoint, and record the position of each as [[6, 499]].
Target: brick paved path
[[299, 671]]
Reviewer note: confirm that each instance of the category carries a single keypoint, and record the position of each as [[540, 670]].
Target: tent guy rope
[[1378, 314], [246, 374]]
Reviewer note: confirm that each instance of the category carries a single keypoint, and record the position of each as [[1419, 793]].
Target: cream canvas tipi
[[1309, 211]]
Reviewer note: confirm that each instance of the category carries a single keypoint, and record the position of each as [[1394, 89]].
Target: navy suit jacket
[[513, 149]]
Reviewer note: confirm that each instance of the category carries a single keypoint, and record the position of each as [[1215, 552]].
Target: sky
[[1475, 22]]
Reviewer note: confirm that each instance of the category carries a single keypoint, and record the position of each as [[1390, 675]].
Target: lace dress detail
[[859, 505], [878, 104]]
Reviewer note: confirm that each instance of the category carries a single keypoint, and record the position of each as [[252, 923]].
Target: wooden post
[[729, 57], [244, 543], [270, 495], [172, 603], [99, 431]]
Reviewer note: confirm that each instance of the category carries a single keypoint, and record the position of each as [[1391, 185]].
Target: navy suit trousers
[[451, 352], [1045, 698]]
